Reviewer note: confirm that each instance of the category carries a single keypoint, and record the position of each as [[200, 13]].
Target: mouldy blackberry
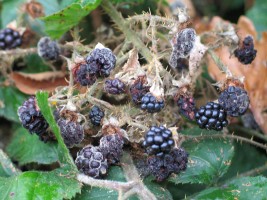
[[111, 146], [138, 89], [96, 115], [211, 116], [158, 141], [234, 100], [114, 86], [9, 39], [101, 61], [91, 161], [48, 49], [187, 107], [173, 162], [72, 132], [151, 104], [31, 117], [246, 53], [84, 77]]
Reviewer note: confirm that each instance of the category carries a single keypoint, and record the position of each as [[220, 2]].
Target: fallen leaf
[[255, 74], [31, 83]]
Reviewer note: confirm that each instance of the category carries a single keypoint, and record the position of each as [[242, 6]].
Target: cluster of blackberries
[[164, 159], [31, 117], [246, 53], [233, 101], [96, 115], [99, 63], [9, 39], [48, 49], [94, 161]]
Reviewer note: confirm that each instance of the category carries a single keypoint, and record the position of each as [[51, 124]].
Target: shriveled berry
[[114, 86], [187, 107], [84, 77], [138, 89], [246, 53]]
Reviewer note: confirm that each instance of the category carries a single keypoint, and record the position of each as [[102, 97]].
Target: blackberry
[[72, 132], [182, 46], [187, 107], [138, 89], [158, 141], [48, 49], [96, 115], [211, 116], [101, 61], [246, 54], [84, 77], [9, 39], [173, 162], [31, 117], [234, 100], [151, 104], [111, 146], [91, 161], [114, 86]]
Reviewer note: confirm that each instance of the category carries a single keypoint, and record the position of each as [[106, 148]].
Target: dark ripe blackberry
[[72, 132], [246, 54], [91, 161], [96, 115], [9, 39], [114, 86], [158, 141], [182, 46], [234, 100], [173, 162], [48, 49], [138, 89], [111, 146], [31, 117], [187, 107], [211, 116], [84, 77], [151, 104], [101, 61]]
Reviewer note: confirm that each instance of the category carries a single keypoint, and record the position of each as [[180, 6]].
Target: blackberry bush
[[234, 100], [158, 141], [9, 39], [211, 116], [91, 161], [96, 115]]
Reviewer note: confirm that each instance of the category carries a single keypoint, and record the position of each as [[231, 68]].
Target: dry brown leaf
[[255, 74], [31, 83]]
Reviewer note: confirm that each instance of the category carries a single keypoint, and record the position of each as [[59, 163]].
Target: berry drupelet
[[31, 117], [246, 54], [9, 39], [48, 49], [96, 115], [91, 161], [234, 100], [114, 86], [151, 104], [211, 116], [158, 141], [111, 146]]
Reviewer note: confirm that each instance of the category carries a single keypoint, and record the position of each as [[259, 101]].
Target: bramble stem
[[219, 63]]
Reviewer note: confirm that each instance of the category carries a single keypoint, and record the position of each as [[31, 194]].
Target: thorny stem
[[235, 137], [18, 52], [123, 25]]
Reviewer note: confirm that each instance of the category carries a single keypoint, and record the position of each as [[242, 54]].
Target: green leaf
[[9, 10], [258, 14], [58, 184], [160, 192], [60, 22], [26, 148], [6, 166], [208, 160], [35, 64], [243, 188], [63, 152], [10, 100]]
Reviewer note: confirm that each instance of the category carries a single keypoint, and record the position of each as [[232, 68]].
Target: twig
[[235, 137], [113, 185], [18, 52]]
